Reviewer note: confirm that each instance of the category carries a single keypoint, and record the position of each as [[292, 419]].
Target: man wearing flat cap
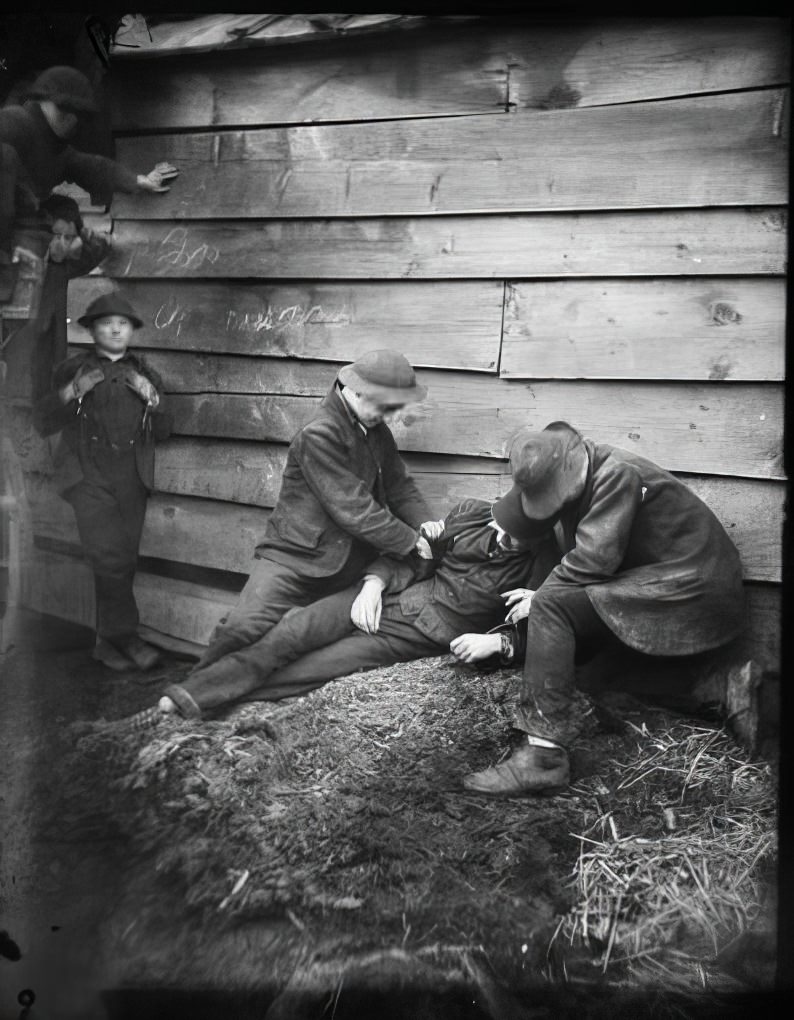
[[345, 498], [643, 560]]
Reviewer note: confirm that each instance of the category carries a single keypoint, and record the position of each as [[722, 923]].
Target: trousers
[[272, 589], [562, 629], [110, 506], [304, 650]]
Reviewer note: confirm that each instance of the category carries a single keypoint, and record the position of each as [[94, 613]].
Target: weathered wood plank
[[712, 428], [729, 149], [682, 243], [211, 533], [454, 325], [453, 69], [216, 531], [645, 329], [60, 585], [190, 612], [765, 624], [185, 610]]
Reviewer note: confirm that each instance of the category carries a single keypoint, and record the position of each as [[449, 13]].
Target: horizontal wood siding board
[[645, 329], [640, 243], [730, 149], [191, 612], [453, 325], [452, 69], [236, 483], [716, 428], [223, 535], [181, 608]]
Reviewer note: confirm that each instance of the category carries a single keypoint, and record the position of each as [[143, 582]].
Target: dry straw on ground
[[343, 814], [666, 906]]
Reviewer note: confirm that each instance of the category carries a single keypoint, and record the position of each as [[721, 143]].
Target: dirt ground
[[312, 859]]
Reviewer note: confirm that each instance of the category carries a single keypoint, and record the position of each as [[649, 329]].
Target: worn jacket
[[48, 160], [463, 593], [110, 415], [344, 492], [657, 565]]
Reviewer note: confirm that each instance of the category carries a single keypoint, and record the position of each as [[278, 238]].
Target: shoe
[[108, 654], [142, 654], [530, 769]]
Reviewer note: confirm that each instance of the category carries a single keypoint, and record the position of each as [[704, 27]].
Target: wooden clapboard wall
[[582, 220]]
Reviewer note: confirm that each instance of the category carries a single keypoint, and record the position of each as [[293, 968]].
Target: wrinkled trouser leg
[[561, 623], [110, 519], [237, 673], [304, 651], [397, 640], [272, 589]]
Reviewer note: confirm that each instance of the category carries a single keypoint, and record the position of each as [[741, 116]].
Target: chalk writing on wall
[[271, 318], [177, 250]]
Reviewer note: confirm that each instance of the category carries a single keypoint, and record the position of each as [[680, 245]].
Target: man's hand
[[423, 548], [520, 599], [432, 530], [153, 181], [142, 388], [84, 381], [475, 647], [365, 611]]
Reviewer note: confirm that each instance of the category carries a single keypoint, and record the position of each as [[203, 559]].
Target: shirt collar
[[349, 410]]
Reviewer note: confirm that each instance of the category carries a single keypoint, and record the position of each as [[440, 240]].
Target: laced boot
[[531, 769]]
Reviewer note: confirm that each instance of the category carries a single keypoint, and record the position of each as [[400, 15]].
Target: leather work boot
[[107, 653], [530, 769], [142, 654]]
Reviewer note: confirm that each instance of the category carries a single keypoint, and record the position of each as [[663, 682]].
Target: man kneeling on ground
[[396, 614]]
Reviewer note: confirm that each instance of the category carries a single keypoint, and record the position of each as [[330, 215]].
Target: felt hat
[[385, 376], [547, 473], [66, 87], [109, 304]]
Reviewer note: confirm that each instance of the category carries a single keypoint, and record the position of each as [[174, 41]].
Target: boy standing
[[108, 404]]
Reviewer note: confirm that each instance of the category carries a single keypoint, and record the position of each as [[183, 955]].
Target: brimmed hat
[[547, 471], [385, 376], [109, 304], [66, 87]]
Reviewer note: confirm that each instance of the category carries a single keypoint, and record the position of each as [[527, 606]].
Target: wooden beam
[[729, 149], [686, 243], [455, 325], [645, 329], [448, 69]]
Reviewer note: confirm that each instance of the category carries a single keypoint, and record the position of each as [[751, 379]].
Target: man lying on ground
[[395, 615]]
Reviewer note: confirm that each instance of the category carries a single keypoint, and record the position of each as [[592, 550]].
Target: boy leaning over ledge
[[108, 405]]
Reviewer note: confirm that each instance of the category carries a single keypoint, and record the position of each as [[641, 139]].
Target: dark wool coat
[[464, 592], [110, 413], [657, 565], [342, 492], [48, 160]]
